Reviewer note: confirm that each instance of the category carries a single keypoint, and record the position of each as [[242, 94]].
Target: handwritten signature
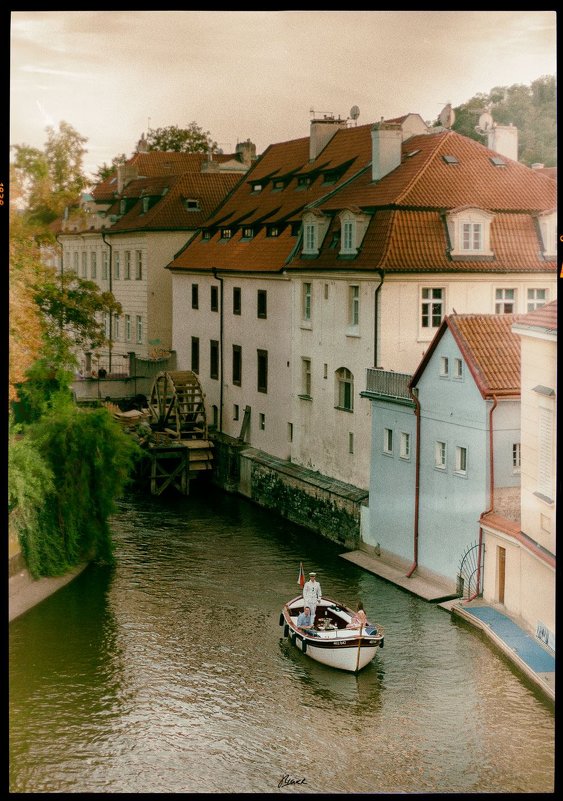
[[287, 780]]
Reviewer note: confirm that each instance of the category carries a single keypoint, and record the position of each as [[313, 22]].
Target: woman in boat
[[359, 619]]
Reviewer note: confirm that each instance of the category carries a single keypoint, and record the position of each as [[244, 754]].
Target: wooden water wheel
[[177, 406]]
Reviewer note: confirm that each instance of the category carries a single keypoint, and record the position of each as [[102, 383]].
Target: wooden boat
[[330, 642]]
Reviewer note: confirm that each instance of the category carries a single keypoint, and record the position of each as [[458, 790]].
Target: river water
[[168, 673]]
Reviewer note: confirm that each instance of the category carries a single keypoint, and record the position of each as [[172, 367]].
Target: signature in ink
[[287, 780]]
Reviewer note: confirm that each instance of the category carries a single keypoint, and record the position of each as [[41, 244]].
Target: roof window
[[412, 153], [497, 161], [451, 159]]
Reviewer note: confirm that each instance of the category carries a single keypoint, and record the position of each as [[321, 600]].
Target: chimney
[[125, 174], [142, 144], [503, 139], [386, 142], [322, 132], [246, 151]]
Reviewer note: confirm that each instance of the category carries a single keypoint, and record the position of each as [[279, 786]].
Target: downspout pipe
[[376, 316], [491, 494], [218, 278], [110, 269], [416, 484]]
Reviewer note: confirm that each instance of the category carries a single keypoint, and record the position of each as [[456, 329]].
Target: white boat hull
[[330, 642]]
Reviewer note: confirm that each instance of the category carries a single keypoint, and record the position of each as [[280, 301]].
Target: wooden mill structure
[[179, 449]]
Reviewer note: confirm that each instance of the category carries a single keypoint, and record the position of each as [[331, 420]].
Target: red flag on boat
[[301, 579]]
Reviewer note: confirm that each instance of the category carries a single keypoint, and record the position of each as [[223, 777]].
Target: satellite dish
[[354, 112], [447, 116], [485, 123]]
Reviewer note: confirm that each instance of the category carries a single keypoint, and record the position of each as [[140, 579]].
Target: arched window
[[344, 389]]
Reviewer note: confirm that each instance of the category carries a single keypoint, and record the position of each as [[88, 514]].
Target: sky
[[258, 75]]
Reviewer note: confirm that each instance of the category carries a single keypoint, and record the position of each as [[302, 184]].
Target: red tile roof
[[489, 348], [545, 318], [407, 231]]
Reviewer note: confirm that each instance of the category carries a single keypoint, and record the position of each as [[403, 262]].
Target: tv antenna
[[447, 116], [355, 113], [485, 123]]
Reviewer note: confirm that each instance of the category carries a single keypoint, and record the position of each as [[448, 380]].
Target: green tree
[[91, 460], [105, 170], [51, 179], [182, 140], [532, 109]]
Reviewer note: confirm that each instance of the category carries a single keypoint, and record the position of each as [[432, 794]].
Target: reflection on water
[[169, 673]]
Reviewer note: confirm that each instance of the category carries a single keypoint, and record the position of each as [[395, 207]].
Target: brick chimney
[[503, 139], [386, 142], [246, 151], [321, 133]]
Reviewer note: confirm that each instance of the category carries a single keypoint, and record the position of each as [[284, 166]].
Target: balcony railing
[[387, 384]]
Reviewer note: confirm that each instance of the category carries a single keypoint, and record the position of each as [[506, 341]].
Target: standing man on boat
[[312, 594]]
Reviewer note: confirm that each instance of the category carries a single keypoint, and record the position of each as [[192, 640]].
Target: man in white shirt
[[312, 594]]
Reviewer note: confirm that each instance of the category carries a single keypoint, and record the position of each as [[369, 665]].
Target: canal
[[168, 673]]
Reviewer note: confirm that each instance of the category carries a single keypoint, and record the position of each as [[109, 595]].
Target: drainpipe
[[375, 316], [416, 483], [110, 268], [218, 278], [60, 244], [491, 495]]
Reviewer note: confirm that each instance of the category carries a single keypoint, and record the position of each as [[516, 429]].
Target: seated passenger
[[359, 619], [304, 619]]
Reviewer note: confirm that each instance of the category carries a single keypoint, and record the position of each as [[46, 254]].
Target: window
[[326, 291], [516, 457], [191, 204], [122, 206], [272, 230], [303, 181], [105, 264], [354, 306], [146, 204], [405, 445], [262, 421], [128, 328], [345, 389], [432, 307], [350, 442], [116, 327], [226, 233], [139, 329], [214, 298], [536, 298], [306, 377], [450, 159], [262, 303], [440, 455], [348, 236], [236, 300], [306, 302], [461, 460], [458, 368], [505, 301], [310, 238], [290, 432], [195, 296], [107, 325], [325, 370], [236, 411], [257, 187], [75, 261], [139, 265], [116, 265], [262, 370], [84, 265], [247, 233], [213, 358], [93, 266], [237, 365], [545, 453], [444, 366], [278, 184], [388, 441], [195, 354], [127, 265], [472, 236]]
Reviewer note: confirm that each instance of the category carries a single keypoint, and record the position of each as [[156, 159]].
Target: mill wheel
[[177, 406]]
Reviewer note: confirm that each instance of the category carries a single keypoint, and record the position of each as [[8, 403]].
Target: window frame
[[426, 308], [194, 355], [237, 300], [388, 441], [262, 370], [440, 455], [262, 304], [461, 454], [344, 389], [195, 296], [503, 300], [237, 365], [405, 445], [214, 359]]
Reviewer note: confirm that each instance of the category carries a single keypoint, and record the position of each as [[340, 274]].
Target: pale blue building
[[445, 445]]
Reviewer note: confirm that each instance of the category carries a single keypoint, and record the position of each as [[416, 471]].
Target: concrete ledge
[[26, 592]]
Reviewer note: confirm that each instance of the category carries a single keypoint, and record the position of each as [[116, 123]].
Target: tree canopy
[[182, 140], [532, 109]]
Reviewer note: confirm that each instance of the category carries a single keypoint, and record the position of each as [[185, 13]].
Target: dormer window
[[303, 181], [247, 233], [353, 226], [226, 233], [257, 187], [548, 231], [279, 183], [191, 204], [206, 234], [272, 230], [146, 203], [315, 226], [469, 232], [122, 206]]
